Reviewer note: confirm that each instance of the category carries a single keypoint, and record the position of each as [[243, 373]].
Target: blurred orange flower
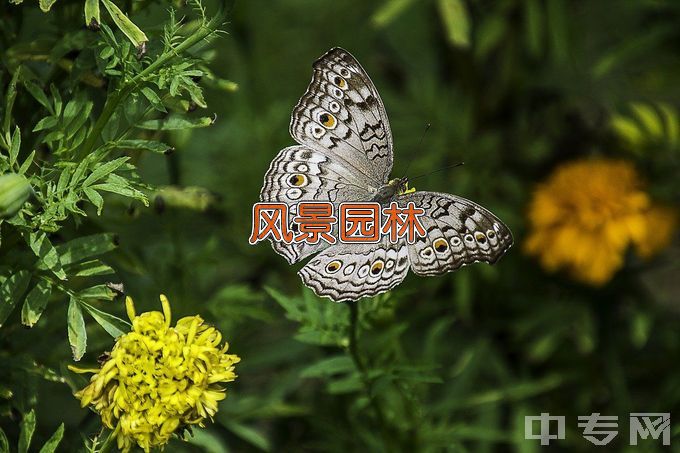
[[587, 214]]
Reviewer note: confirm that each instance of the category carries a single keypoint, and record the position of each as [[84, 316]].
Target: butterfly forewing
[[298, 174], [341, 113]]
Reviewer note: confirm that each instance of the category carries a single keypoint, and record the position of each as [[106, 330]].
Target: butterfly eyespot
[[389, 264], [317, 132], [491, 234], [363, 271], [480, 237], [334, 107], [339, 81], [377, 267], [302, 168], [294, 193], [440, 245], [348, 269], [297, 180], [333, 266], [469, 238], [455, 241], [426, 252], [327, 120], [344, 72], [337, 92]]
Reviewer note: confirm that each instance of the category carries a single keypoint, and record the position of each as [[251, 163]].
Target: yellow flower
[[159, 378], [587, 214]]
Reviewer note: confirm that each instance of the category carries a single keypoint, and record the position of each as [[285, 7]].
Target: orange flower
[[587, 214]]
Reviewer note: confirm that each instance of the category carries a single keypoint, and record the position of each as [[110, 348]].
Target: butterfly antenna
[[420, 142], [437, 171]]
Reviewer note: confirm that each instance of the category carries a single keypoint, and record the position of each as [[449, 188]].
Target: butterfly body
[[385, 194], [345, 154]]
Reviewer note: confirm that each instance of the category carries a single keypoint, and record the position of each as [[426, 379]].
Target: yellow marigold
[[159, 378], [587, 214]]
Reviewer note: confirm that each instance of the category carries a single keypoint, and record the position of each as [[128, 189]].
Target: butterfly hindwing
[[458, 232], [341, 113], [352, 271]]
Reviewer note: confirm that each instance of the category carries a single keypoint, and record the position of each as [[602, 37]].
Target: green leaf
[[149, 145], [74, 126], [489, 35], [456, 21], [46, 123], [27, 430], [79, 172], [289, 304], [64, 177], [27, 163], [45, 5], [113, 325], [97, 292], [43, 249], [670, 116], [89, 269], [208, 441], [123, 189], [134, 34], [92, 18], [104, 170], [173, 123], [640, 328], [633, 48], [53, 442], [77, 336], [35, 303], [86, 247], [94, 197], [349, 384], [249, 434], [11, 291], [153, 98], [389, 11], [4, 443], [329, 367], [10, 96], [648, 118], [38, 94], [626, 129], [57, 99], [15, 144]]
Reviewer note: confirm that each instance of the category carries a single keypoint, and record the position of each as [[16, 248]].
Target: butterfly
[[344, 153]]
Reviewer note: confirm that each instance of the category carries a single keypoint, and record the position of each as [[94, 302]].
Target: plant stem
[[108, 443], [366, 380], [128, 87]]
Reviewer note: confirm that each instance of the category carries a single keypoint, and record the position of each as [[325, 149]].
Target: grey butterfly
[[344, 154]]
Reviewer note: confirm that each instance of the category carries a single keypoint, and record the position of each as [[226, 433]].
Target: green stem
[[361, 366], [128, 87], [109, 442]]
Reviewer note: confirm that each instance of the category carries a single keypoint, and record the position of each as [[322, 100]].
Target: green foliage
[[79, 159], [28, 424], [128, 164]]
